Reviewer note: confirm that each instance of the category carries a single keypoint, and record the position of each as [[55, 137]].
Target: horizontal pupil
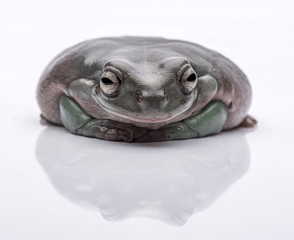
[[106, 81], [191, 78]]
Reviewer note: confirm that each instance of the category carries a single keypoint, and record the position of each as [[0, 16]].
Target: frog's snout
[[156, 97]]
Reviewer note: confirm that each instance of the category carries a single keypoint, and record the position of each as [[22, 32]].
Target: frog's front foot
[[111, 130], [78, 122], [102, 129]]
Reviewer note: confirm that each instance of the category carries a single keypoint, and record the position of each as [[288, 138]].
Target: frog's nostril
[[165, 97], [140, 98], [152, 96]]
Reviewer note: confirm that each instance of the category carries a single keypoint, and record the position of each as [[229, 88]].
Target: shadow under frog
[[168, 181]]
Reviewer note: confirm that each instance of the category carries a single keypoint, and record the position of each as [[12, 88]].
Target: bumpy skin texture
[[150, 103]]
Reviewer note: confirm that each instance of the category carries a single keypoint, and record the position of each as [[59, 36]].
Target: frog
[[144, 89]]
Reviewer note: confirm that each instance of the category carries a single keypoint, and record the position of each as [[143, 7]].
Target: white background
[[49, 178]]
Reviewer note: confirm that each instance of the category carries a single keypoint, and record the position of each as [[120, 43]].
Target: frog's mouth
[[146, 119], [154, 120], [150, 123]]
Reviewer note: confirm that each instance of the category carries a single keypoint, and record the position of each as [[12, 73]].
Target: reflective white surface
[[239, 184], [168, 181]]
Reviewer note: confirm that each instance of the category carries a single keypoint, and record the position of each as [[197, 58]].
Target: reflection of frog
[[169, 182], [144, 89]]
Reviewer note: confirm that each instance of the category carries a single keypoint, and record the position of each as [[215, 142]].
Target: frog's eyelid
[[111, 76], [173, 62], [119, 64], [114, 70], [182, 70]]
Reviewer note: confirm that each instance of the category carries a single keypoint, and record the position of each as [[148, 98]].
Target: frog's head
[[146, 94]]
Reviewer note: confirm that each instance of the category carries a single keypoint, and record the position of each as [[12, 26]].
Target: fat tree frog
[[142, 89]]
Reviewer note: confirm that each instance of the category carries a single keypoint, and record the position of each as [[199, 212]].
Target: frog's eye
[[109, 84], [188, 81]]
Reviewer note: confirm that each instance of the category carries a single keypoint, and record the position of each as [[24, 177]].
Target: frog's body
[[144, 89]]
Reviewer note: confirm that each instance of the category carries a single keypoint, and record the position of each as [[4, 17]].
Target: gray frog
[[144, 89]]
